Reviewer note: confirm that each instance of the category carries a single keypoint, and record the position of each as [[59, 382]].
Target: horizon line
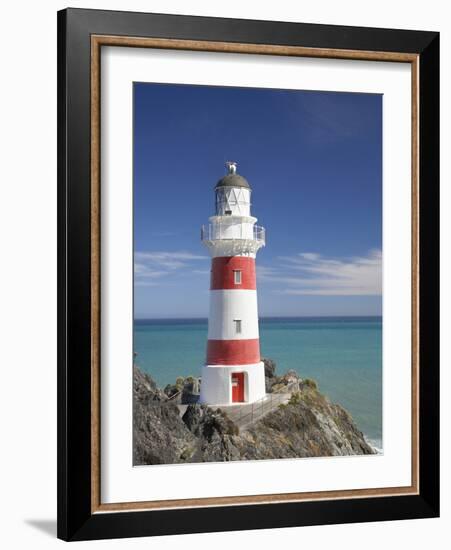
[[262, 317]]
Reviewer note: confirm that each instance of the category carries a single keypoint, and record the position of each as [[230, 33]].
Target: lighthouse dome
[[233, 180]]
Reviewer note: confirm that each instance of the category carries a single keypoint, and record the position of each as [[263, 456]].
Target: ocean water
[[343, 354]]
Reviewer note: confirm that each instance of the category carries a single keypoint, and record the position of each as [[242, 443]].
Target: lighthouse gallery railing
[[211, 232]]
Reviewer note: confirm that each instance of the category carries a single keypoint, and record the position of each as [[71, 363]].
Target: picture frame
[[81, 36]]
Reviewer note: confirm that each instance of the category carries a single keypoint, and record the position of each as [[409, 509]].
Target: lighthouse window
[[237, 276], [237, 323]]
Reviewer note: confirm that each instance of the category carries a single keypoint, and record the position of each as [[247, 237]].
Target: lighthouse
[[233, 372]]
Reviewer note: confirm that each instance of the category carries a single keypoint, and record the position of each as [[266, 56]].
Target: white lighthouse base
[[216, 386]]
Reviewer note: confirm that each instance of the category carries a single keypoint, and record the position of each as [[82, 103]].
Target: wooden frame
[[81, 515]]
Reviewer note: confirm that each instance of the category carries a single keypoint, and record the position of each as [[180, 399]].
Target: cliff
[[309, 425]]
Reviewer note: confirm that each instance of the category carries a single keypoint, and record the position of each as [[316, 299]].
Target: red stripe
[[222, 273], [233, 352]]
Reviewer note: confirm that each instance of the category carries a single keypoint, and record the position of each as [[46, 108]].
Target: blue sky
[[314, 162]]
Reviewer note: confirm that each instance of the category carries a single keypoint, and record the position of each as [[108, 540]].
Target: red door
[[237, 387]]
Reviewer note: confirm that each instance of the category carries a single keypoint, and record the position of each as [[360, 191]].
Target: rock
[[284, 383], [270, 367], [309, 425], [187, 387], [172, 389], [159, 434], [190, 391], [216, 421], [217, 441], [290, 376], [145, 388], [308, 383], [214, 431], [274, 383], [192, 418]]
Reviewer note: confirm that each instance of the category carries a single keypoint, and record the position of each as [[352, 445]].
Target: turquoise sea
[[343, 354]]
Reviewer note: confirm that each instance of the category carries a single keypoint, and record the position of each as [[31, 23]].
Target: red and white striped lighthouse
[[233, 372]]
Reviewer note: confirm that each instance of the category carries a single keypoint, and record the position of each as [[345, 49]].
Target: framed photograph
[[248, 274]]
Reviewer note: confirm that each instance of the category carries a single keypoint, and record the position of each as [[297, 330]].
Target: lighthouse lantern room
[[233, 372]]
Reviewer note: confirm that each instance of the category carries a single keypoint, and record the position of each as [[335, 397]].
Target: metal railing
[[175, 397], [218, 231], [242, 416]]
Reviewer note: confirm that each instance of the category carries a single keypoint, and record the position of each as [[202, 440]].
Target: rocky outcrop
[[159, 434], [270, 369], [187, 389], [276, 383], [145, 388], [215, 434], [309, 425]]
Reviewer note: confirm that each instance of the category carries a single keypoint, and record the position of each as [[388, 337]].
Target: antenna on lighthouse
[[231, 166]]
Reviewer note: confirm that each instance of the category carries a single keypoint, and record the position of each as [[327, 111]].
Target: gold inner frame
[[97, 41]]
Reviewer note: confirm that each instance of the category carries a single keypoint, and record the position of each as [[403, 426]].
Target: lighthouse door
[[237, 387]]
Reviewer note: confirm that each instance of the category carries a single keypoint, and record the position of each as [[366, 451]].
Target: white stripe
[[229, 305]]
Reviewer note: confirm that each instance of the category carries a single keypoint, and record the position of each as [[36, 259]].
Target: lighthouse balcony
[[243, 239], [249, 233]]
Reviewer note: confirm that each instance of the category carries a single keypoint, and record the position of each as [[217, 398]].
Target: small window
[[237, 323], [237, 276]]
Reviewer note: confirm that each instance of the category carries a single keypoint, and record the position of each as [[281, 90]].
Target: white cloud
[[142, 270], [201, 271], [150, 266], [145, 283], [310, 273]]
